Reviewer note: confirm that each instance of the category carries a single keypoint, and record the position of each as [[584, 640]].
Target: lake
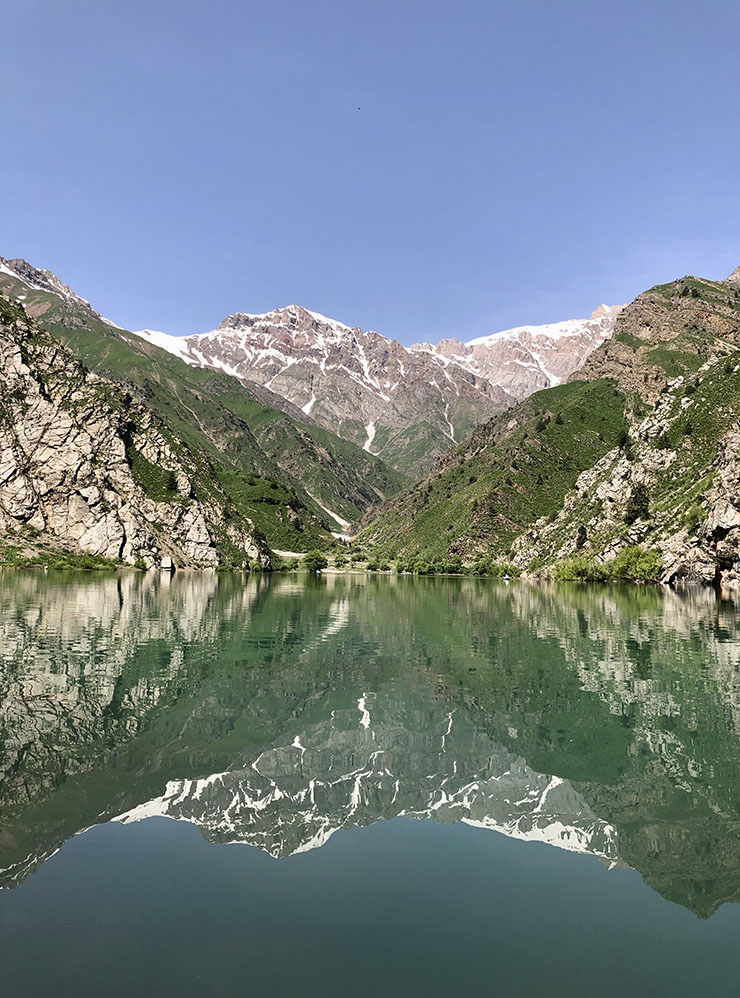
[[359, 785]]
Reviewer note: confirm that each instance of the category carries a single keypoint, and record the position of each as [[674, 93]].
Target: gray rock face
[[86, 467]]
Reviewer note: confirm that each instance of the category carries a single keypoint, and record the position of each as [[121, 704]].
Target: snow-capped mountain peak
[[38, 280], [407, 405], [361, 385], [525, 359], [603, 316]]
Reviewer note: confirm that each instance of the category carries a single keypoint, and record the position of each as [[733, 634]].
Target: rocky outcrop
[[86, 466], [667, 332], [721, 526], [682, 442]]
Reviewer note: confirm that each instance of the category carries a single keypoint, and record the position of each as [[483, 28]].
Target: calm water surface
[[379, 786]]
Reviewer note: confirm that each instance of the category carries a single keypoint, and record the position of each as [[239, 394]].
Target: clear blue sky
[[420, 167]]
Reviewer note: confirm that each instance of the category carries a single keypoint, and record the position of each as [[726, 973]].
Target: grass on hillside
[[505, 477]]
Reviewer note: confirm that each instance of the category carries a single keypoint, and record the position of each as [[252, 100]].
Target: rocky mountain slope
[[639, 450], [86, 468], [297, 481], [528, 358], [510, 471], [408, 407]]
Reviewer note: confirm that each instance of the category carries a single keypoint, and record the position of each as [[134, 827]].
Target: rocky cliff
[[88, 469]]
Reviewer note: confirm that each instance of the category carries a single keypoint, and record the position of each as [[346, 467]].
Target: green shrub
[[632, 564], [635, 564], [693, 517], [314, 561], [580, 568], [479, 568], [498, 569]]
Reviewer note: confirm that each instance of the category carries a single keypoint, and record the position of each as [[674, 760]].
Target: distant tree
[[638, 504], [314, 561], [581, 537]]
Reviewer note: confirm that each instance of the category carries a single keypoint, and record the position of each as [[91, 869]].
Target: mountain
[[295, 480], [88, 470], [638, 452], [528, 358], [406, 406], [674, 484]]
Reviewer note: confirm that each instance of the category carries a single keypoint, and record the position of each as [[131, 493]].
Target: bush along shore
[[632, 564]]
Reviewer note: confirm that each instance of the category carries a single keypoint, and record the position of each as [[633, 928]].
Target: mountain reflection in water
[[276, 711]]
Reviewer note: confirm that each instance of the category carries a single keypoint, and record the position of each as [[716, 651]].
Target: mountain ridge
[[372, 389], [407, 405]]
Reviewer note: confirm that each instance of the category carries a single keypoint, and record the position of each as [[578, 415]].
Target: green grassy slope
[[509, 472]]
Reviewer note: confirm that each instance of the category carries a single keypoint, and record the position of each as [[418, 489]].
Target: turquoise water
[[380, 786]]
